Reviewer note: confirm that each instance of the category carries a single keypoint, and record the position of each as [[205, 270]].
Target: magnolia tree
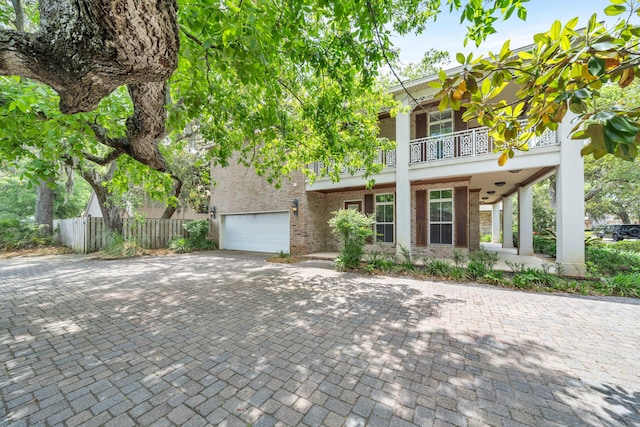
[[565, 70]]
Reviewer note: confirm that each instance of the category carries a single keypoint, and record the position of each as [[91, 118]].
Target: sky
[[448, 34]]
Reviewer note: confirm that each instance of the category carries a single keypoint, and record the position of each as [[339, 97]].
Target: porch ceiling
[[512, 178]]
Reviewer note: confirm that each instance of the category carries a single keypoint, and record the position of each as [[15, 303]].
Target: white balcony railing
[[466, 143], [387, 158]]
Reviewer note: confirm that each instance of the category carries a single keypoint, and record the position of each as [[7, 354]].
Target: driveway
[[224, 338]]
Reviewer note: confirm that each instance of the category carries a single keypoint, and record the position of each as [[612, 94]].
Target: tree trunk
[[85, 49], [177, 189], [44, 207], [110, 213], [624, 216]]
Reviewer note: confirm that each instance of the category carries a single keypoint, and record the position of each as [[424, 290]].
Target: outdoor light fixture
[[500, 183], [294, 207], [212, 211], [515, 170], [485, 198], [491, 192]]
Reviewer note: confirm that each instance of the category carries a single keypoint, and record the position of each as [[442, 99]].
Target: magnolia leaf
[[554, 32], [502, 160], [614, 10]]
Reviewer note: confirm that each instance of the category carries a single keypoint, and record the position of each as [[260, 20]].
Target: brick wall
[[486, 226], [474, 220], [238, 189], [443, 251], [335, 201]]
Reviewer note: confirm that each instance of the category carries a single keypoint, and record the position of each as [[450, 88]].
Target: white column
[[570, 203], [403, 186], [495, 222], [525, 220], [507, 222]]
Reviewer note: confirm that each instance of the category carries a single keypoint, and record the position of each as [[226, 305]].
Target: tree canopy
[[564, 71], [280, 82]]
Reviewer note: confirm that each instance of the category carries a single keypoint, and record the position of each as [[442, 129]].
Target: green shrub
[[458, 258], [198, 240], [354, 228], [436, 267], [484, 257], [198, 232], [486, 238], [528, 277], [544, 245], [21, 234], [407, 262], [476, 270], [627, 245], [180, 245], [624, 285], [609, 261], [457, 273], [116, 246], [379, 260]]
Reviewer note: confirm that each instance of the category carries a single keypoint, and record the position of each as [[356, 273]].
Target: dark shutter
[[460, 205], [421, 218], [368, 209], [421, 125], [368, 204], [458, 122]]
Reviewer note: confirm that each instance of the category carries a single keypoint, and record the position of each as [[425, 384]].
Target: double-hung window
[[441, 217], [385, 215]]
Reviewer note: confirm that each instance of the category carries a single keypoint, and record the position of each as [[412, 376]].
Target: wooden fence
[[89, 234]]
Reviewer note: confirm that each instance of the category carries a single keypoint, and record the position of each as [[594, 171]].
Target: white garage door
[[259, 232]]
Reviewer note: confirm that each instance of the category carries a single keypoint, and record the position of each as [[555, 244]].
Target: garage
[[258, 232]]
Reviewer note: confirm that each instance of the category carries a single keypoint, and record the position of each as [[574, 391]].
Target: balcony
[[387, 158], [463, 144]]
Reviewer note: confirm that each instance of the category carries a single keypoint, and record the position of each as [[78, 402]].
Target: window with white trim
[[441, 217], [440, 122], [385, 215]]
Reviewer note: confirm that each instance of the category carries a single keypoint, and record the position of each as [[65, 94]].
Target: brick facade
[[239, 189]]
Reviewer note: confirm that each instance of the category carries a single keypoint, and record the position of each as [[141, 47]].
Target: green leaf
[[596, 66], [614, 10], [554, 32]]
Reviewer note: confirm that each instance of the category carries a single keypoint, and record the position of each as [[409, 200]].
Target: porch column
[[570, 204], [495, 223], [525, 220], [507, 222], [403, 186]]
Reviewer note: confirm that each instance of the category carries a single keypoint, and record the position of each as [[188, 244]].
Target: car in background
[[619, 231]]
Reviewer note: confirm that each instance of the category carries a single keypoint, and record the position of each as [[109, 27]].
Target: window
[[441, 217], [440, 122], [384, 218]]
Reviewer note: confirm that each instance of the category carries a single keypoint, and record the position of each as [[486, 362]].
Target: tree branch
[[102, 161]]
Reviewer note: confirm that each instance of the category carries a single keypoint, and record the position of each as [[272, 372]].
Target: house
[[148, 209], [426, 199]]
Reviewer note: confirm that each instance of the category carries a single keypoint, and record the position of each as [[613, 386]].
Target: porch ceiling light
[[515, 170], [485, 198], [499, 183], [491, 192]]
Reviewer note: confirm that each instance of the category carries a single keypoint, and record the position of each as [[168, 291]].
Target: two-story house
[[427, 197]]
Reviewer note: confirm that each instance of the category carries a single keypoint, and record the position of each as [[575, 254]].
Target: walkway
[[225, 338], [504, 255]]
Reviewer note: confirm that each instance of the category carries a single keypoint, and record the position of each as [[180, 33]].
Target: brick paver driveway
[[228, 339]]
